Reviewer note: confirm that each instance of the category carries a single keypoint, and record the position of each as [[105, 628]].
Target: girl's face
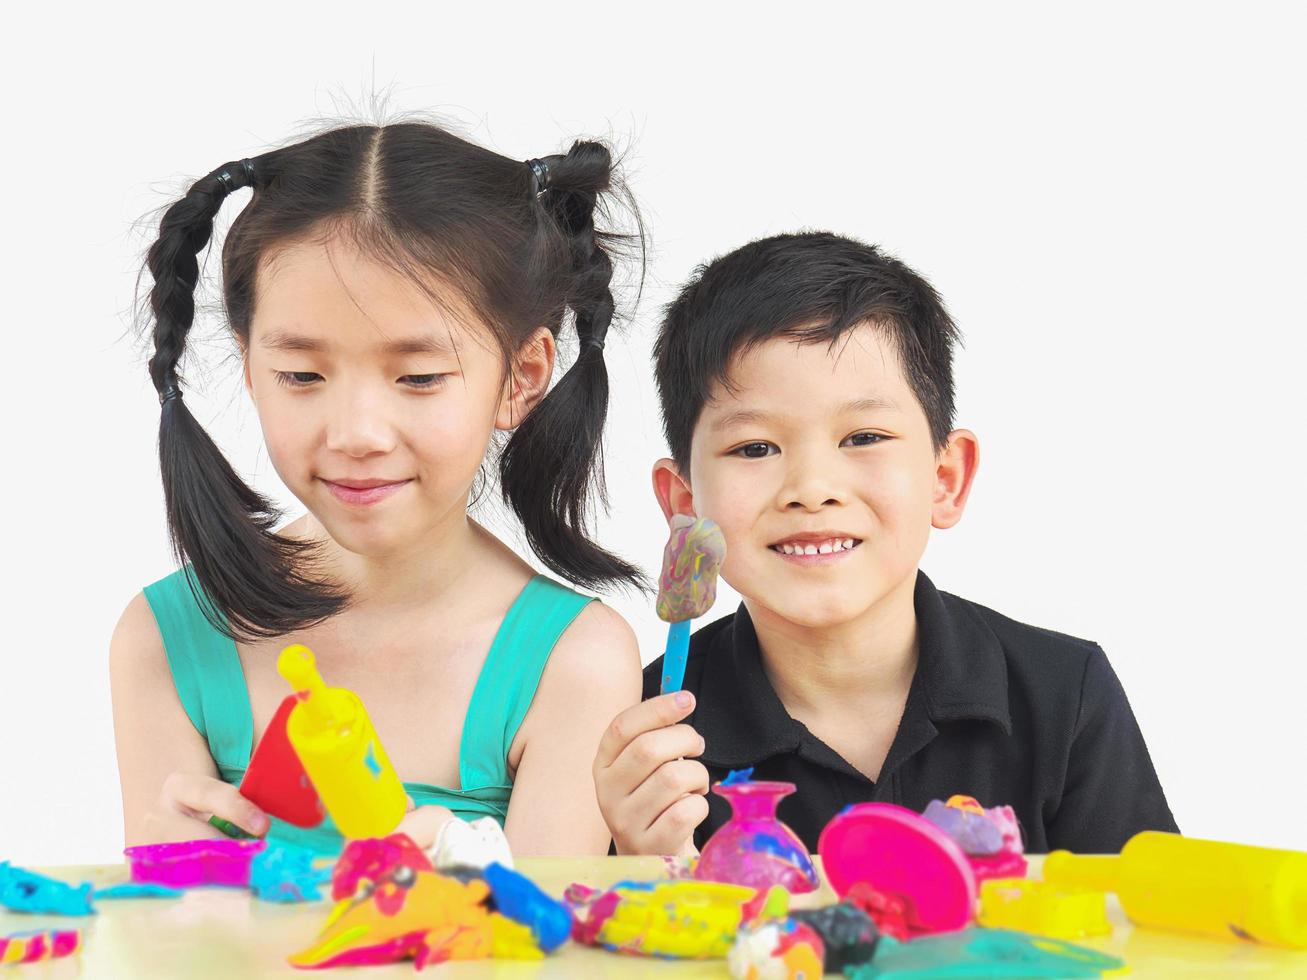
[[376, 405]]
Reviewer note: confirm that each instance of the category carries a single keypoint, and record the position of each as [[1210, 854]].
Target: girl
[[395, 293]]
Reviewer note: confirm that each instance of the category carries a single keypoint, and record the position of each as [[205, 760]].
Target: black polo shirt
[[1007, 713]]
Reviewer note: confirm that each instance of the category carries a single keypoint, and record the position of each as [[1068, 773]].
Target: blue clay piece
[[517, 897], [27, 891], [131, 889], [285, 873], [736, 776]]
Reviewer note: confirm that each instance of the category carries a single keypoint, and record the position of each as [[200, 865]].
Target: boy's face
[[818, 465]]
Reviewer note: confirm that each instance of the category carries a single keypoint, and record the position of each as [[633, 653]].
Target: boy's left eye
[[422, 380], [754, 450], [863, 439]]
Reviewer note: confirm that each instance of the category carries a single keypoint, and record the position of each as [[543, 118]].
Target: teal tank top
[[206, 670]]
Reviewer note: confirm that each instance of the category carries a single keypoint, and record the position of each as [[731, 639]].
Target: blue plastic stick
[[678, 648]]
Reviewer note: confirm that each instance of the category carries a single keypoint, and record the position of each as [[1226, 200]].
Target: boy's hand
[[650, 788], [188, 799]]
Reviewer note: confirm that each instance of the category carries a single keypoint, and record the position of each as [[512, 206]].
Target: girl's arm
[[592, 675], [170, 784]]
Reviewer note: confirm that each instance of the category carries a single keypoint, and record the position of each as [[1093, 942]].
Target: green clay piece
[[982, 953]]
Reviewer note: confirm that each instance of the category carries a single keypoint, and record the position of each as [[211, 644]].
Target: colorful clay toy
[[334, 739], [754, 848], [1166, 881], [902, 854], [682, 919], [1044, 909], [32, 947], [991, 839], [687, 587], [393, 907]]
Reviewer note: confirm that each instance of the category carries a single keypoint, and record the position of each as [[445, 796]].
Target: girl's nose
[[359, 426]]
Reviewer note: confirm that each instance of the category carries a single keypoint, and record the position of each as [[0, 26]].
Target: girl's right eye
[[297, 379], [754, 450]]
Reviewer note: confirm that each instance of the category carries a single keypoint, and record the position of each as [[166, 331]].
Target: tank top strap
[[206, 670], [509, 678]]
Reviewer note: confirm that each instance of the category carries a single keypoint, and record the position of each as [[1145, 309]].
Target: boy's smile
[[817, 462]]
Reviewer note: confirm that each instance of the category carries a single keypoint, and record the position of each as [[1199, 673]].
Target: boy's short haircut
[[813, 286]]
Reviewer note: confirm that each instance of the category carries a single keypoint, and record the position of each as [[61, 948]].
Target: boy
[[807, 395]]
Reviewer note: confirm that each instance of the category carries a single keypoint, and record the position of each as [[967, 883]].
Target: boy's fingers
[[643, 757], [676, 825], [659, 712], [666, 785]]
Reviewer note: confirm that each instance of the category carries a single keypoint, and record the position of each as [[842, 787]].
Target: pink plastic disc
[[900, 852]]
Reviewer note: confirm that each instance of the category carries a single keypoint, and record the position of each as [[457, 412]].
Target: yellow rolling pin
[[1166, 881], [334, 738]]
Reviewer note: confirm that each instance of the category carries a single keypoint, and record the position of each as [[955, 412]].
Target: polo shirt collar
[[961, 675]]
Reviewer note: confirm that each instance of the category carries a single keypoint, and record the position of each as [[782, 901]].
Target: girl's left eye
[[423, 380], [297, 379], [863, 439]]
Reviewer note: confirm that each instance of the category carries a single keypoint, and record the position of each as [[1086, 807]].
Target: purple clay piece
[[189, 864], [754, 848], [975, 833]]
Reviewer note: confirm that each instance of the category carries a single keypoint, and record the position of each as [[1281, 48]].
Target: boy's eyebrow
[[744, 416], [750, 416], [282, 340], [874, 403]]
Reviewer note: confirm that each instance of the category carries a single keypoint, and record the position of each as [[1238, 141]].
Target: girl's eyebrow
[[281, 340]]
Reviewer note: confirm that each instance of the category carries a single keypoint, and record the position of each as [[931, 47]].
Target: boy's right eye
[[754, 450], [297, 379]]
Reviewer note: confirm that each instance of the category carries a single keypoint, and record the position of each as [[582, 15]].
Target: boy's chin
[[817, 612]]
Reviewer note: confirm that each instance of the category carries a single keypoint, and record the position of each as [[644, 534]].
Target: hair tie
[[539, 175], [168, 394], [230, 182], [596, 342]]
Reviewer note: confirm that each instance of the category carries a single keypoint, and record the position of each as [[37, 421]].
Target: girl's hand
[[423, 824], [188, 800]]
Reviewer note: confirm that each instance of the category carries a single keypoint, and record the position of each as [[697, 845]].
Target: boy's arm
[[1111, 790]]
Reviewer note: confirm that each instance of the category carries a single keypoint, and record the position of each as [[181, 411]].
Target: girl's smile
[[363, 493]]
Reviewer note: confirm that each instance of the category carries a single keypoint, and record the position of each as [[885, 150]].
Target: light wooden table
[[212, 933]]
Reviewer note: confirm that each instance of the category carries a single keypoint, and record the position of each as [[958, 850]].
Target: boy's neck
[[863, 662]]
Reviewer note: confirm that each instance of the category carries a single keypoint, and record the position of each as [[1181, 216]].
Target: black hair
[[812, 286], [520, 250]]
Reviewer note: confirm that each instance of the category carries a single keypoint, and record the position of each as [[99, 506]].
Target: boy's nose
[[810, 484]]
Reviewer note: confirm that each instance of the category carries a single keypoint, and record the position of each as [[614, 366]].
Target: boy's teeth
[[824, 548]]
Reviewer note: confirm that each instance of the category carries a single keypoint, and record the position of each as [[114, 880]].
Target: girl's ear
[[672, 490], [528, 379]]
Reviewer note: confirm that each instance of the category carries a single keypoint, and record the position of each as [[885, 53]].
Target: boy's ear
[[955, 469], [528, 380], [672, 489]]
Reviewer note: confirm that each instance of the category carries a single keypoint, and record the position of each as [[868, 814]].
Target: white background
[[1111, 202]]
